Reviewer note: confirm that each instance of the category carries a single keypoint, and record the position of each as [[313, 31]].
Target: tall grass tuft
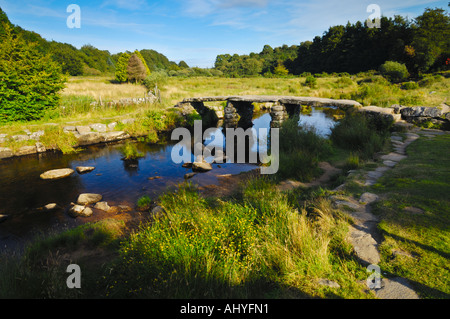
[[301, 149], [357, 133]]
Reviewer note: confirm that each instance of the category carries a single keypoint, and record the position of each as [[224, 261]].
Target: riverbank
[[331, 268]]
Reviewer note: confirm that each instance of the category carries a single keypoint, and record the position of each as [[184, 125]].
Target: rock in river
[[79, 210], [84, 169], [88, 199], [57, 173], [201, 167]]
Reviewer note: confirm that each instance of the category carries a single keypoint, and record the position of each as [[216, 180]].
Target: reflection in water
[[22, 190]]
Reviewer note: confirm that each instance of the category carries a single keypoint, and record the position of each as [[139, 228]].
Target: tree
[[281, 70], [143, 62], [431, 38], [136, 69], [183, 65], [121, 67], [30, 80]]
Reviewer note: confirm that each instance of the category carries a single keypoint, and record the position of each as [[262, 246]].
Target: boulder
[[102, 206], [49, 208], [88, 199], [80, 211], [189, 175], [84, 169], [201, 167], [57, 173]]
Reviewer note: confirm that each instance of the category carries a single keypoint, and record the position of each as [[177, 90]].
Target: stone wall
[[85, 134], [417, 115]]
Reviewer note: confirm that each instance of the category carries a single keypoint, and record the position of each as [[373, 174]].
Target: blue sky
[[196, 31]]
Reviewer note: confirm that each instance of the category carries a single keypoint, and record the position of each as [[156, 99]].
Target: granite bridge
[[239, 109]]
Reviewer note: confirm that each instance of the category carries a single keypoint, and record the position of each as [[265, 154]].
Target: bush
[[394, 71], [410, 86], [30, 81], [311, 81], [157, 78]]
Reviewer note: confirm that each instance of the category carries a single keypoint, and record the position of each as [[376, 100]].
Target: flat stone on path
[[368, 198], [395, 157], [57, 173], [396, 288], [389, 163], [87, 199]]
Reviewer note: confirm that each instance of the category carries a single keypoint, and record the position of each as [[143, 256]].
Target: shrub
[[130, 152], [394, 71], [144, 203], [311, 81], [30, 80], [157, 78], [410, 86]]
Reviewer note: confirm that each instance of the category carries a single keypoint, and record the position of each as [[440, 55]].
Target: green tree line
[[422, 44], [88, 60]]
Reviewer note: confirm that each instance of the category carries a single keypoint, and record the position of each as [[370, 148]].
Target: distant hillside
[[88, 60]]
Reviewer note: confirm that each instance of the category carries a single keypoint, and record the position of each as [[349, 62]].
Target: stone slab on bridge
[[239, 109]]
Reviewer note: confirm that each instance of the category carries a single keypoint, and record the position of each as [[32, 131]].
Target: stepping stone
[[365, 246], [396, 138], [395, 157], [368, 198], [389, 163], [57, 173], [396, 288]]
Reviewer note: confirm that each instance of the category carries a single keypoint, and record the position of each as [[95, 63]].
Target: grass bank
[[415, 214]]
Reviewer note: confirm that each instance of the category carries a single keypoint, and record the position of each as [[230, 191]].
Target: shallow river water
[[22, 190]]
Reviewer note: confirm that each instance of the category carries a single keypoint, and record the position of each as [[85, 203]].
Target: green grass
[[40, 272], [420, 181], [258, 246]]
